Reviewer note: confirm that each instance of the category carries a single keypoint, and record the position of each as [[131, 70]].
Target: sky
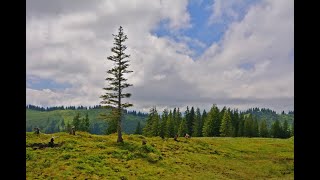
[[238, 54]]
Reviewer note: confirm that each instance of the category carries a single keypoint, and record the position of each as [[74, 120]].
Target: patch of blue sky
[[40, 83], [203, 34], [246, 66]]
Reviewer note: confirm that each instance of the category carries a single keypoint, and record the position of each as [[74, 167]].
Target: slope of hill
[[87, 156], [53, 120], [270, 116]]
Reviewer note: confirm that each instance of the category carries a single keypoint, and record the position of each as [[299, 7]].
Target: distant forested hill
[[270, 116], [50, 121]]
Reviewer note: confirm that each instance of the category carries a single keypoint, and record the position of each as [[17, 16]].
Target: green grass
[[100, 157]]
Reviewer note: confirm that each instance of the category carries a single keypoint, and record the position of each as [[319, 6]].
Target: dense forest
[[220, 123], [254, 122]]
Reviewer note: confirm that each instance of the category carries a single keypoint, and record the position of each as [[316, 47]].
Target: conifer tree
[[86, 123], [152, 124], [77, 122], [263, 129], [62, 125], [183, 129], [117, 82], [203, 117], [212, 117], [190, 122], [197, 124], [226, 125], [241, 126], [138, 129], [178, 121], [68, 127], [170, 125], [255, 131], [276, 129], [163, 125], [248, 126], [285, 129]]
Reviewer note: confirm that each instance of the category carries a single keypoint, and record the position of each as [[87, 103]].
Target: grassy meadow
[[88, 156]]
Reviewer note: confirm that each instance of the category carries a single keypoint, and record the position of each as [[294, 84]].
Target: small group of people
[[187, 136]]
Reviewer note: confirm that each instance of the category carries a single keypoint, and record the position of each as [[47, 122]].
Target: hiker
[[51, 143], [187, 136], [37, 130], [176, 137], [73, 131]]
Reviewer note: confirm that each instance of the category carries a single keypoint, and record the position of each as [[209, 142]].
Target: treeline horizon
[[54, 108], [216, 123], [253, 122]]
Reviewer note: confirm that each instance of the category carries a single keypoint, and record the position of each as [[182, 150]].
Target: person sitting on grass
[[187, 136], [51, 143], [176, 137], [36, 130], [73, 131]]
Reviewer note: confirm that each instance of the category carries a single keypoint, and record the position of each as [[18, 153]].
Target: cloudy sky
[[234, 53]]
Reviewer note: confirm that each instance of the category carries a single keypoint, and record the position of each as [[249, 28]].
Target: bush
[[148, 148]]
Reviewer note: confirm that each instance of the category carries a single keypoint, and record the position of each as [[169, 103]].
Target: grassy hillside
[[100, 157], [97, 126]]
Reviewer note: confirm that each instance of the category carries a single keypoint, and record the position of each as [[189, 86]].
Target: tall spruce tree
[[86, 123], [190, 122], [152, 124], [175, 121], [68, 127], [263, 129], [116, 80], [255, 131], [62, 125], [138, 129], [77, 122], [197, 124], [212, 117], [203, 117], [241, 125], [178, 119], [163, 124], [155, 128], [285, 129], [248, 126], [170, 125], [235, 122], [226, 125], [217, 121], [183, 129], [276, 129], [187, 117]]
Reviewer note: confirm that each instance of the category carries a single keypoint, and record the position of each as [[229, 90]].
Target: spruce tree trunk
[[119, 130], [120, 112]]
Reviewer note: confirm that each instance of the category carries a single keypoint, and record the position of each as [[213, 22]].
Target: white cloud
[[227, 10], [72, 47]]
